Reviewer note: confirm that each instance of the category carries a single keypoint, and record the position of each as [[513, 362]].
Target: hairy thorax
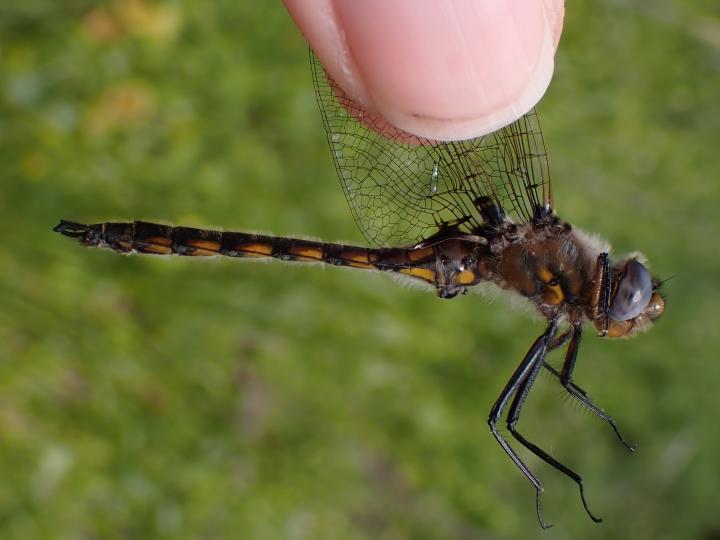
[[552, 266]]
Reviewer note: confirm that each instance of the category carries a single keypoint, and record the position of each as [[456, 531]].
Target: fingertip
[[441, 70], [554, 13]]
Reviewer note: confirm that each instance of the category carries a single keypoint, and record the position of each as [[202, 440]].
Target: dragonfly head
[[635, 299]]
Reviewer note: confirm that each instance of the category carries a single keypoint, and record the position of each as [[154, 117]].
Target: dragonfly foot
[[538, 508]]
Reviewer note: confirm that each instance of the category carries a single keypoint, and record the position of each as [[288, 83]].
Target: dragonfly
[[454, 215]]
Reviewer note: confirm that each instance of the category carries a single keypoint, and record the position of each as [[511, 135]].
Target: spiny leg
[[512, 420], [559, 340], [565, 377], [533, 358]]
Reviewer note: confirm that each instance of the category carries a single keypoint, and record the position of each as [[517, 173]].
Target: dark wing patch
[[402, 188]]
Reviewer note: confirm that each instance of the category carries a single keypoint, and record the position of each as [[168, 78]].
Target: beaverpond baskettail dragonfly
[[454, 215]]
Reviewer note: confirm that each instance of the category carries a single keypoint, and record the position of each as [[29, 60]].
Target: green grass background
[[144, 397]]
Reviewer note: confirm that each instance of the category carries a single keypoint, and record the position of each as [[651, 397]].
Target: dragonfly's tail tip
[[70, 228]]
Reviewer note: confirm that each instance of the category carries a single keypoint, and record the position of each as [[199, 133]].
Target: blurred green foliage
[[151, 398]]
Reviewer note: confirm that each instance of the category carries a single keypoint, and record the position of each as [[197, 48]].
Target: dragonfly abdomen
[[157, 239]]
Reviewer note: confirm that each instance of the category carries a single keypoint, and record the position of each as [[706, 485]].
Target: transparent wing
[[401, 188]]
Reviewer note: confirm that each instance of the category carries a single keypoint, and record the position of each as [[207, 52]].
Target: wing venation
[[401, 188]]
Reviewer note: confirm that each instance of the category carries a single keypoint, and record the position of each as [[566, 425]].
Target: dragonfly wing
[[402, 188]]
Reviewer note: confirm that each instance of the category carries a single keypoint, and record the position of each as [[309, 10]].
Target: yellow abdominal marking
[[210, 246], [356, 259], [259, 250], [354, 264], [159, 245], [160, 240], [466, 277], [159, 250], [307, 253], [422, 273]]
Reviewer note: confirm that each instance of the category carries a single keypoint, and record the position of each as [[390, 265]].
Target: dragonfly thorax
[[550, 266]]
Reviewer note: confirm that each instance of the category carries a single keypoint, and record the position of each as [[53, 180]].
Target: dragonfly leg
[[559, 341], [565, 377], [512, 420], [534, 358]]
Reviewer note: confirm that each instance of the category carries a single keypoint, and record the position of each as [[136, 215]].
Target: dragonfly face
[[636, 300], [455, 215]]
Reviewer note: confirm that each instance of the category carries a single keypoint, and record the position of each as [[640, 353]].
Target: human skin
[[440, 69]]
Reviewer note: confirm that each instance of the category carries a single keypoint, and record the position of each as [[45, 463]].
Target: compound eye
[[633, 293]]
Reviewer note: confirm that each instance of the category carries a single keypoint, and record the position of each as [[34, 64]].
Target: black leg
[[560, 340], [565, 377], [533, 359], [512, 420]]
